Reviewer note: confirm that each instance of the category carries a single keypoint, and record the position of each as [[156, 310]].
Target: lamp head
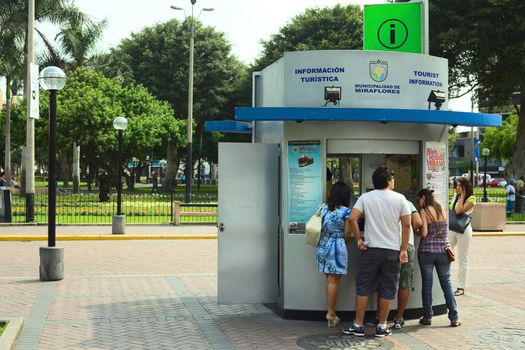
[[208, 9], [438, 97], [485, 152], [175, 7], [52, 78], [120, 123], [332, 94]]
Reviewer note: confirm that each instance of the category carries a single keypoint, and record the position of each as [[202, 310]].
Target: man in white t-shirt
[[382, 249]]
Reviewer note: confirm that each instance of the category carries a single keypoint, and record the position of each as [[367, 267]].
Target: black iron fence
[[143, 208]]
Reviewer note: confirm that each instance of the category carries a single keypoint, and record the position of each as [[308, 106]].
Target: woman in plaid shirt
[[432, 253]]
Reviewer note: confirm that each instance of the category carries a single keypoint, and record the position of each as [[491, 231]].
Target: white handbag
[[313, 227]]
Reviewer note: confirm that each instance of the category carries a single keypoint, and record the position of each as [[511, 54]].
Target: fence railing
[[143, 208]]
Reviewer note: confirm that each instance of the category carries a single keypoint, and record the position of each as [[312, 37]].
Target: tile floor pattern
[[161, 295]]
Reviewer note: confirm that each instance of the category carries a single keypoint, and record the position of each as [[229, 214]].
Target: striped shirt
[[436, 240]]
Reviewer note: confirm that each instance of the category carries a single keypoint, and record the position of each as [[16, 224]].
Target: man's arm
[[355, 215], [405, 234]]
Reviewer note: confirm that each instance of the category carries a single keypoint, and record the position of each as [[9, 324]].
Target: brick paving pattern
[[162, 295]]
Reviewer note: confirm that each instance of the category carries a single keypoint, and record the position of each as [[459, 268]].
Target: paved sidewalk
[[152, 294]]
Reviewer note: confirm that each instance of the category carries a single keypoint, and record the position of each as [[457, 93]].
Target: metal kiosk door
[[248, 223]]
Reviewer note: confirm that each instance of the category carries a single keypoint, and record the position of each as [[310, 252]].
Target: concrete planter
[[11, 333], [489, 217]]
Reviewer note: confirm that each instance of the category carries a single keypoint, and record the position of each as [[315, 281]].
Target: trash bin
[[5, 205]]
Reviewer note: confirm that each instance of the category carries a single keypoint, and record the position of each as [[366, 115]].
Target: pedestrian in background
[[462, 203], [432, 253], [332, 254], [511, 198], [520, 191]]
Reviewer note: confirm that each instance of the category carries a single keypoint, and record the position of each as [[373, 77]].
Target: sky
[[245, 22]]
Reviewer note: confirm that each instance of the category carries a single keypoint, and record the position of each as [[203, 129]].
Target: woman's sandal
[[332, 322], [459, 292]]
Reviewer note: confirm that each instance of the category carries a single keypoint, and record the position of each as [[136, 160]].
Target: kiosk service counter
[[269, 189]]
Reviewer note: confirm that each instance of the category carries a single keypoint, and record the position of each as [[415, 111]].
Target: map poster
[[436, 170], [304, 183]]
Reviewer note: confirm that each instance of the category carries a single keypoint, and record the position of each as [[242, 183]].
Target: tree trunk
[[172, 166], [516, 167], [345, 169], [7, 159], [63, 168], [76, 168]]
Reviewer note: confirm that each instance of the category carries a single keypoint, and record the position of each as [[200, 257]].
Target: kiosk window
[[405, 167], [346, 168]]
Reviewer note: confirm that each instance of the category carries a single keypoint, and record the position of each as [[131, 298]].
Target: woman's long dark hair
[[467, 186], [430, 201], [339, 195]]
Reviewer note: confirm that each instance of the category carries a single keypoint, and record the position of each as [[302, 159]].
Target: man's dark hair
[[381, 176]]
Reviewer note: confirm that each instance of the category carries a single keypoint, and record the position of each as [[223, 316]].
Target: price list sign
[[304, 183]]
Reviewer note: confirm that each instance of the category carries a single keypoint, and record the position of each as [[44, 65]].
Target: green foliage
[[501, 141], [484, 43], [329, 28], [157, 57], [85, 112], [452, 136]]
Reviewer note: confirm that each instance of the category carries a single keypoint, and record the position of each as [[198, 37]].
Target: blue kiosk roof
[[383, 115], [229, 126]]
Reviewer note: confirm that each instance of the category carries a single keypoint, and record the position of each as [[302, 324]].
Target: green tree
[[157, 58], [85, 112], [502, 141], [329, 28], [484, 42]]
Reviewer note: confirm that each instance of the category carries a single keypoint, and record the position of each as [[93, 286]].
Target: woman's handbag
[[458, 223], [450, 254], [313, 227]]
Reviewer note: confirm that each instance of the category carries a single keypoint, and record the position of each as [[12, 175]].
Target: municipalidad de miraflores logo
[[378, 70]]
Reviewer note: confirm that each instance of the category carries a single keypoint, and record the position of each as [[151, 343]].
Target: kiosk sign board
[[367, 79], [304, 183], [393, 27]]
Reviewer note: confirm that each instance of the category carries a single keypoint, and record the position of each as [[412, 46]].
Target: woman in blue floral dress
[[332, 255]]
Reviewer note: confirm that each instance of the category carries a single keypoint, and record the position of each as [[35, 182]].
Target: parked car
[[495, 181], [502, 183]]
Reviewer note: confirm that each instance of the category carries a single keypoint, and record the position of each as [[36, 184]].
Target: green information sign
[[393, 27]]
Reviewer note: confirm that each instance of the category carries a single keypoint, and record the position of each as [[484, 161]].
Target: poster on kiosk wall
[[304, 183], [436, 174]]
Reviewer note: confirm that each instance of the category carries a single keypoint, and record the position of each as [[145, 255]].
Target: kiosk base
[[315, 315]]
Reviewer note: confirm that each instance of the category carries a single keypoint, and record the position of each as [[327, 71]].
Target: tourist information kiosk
[[345, 111]]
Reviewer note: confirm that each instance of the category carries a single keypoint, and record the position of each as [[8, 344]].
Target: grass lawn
[[3, 326]]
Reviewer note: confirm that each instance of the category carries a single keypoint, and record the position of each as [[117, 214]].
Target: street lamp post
[[189, 144], [119, 221], [485, 152], [52, 79]]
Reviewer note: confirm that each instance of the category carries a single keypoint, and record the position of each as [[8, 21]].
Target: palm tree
[[76, 39], [13, 39]]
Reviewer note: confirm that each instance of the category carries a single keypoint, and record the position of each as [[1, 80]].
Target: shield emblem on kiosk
[[378, 70]]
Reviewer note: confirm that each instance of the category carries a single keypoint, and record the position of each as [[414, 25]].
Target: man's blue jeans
[[427, 262]]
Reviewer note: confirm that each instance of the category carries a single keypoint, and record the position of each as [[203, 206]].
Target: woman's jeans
[[427, 262]]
